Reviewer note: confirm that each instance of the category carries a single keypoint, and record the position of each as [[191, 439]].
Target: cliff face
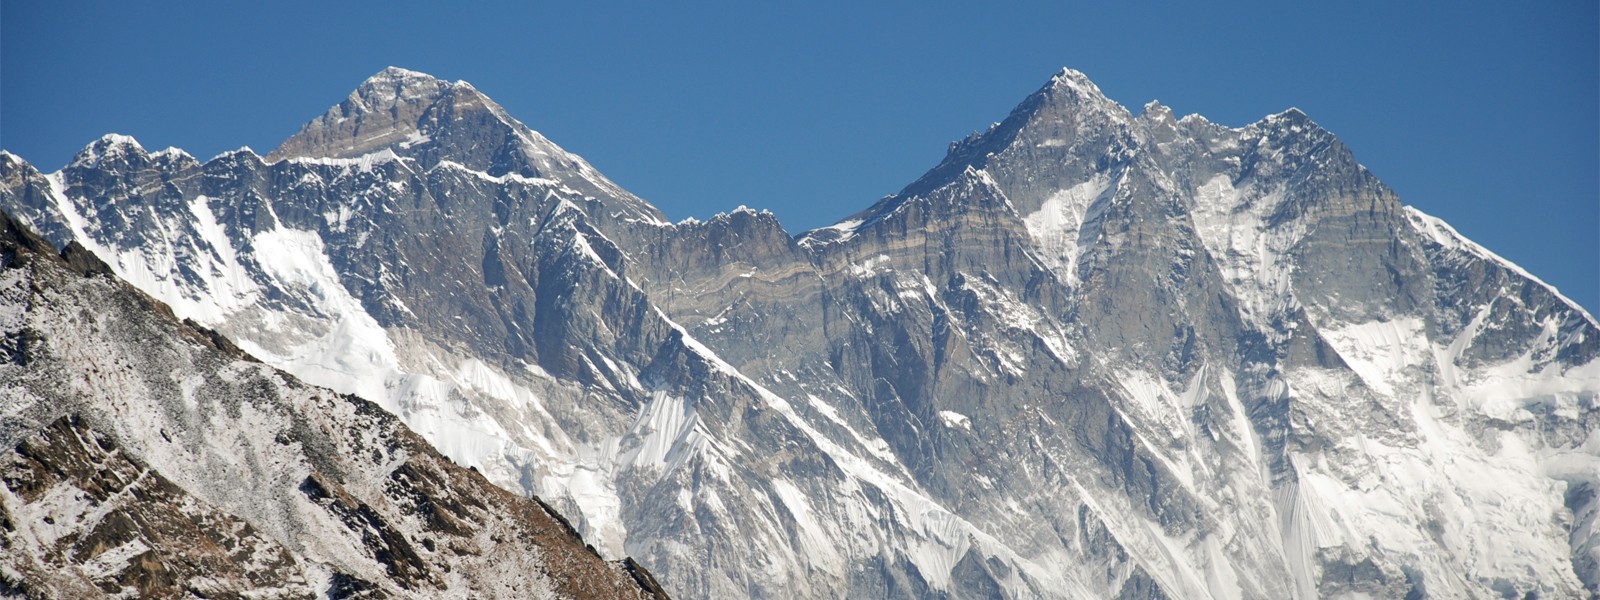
[[1089, 354], [149, 456]]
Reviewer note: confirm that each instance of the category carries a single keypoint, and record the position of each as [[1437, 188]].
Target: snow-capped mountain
[[149, 457], [1089, 354]]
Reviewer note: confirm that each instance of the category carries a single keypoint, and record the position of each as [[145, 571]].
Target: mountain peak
[[111, 146], [384, 110], [1070, 89], [1073, 79], [117, 139], [1291, 124], [421, 117], [393, 72], [395, 85], [1155, 111], [1068, 109], [1291, 115]]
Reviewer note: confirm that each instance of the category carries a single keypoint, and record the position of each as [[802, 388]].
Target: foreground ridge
[[150, 456]]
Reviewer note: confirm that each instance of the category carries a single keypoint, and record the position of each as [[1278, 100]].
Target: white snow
[[953, 419], [812, 541], [667, 434], [1253, 256], [171, 152], [581, 242], [355, 353], [414, 138], [1058, 226], [365, 163], [869, 267], [226, 283], [1438, 485], [844, 230], [876, 445], [1380, 352], [245, 150], [508, 177], [109, 145]]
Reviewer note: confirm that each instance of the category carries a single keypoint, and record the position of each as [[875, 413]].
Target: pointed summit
[[1070, 91], [1068, 115], [395, 87], [1289, 117], [384, 110], [111, 147], [1073, 79], [392, 73], [431, 121]]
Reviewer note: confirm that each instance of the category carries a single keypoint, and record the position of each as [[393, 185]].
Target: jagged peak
[[174, 156], [418, 116], [1071, 87], [744, 213], [1294, 111], [242, 152], [393, 72], [1291, 118], [746, 210], [1155, 108], [1290, 124], [118, 139], [10, 161], [1069, 77], [172, 151], [386, 106], [1069, 92], [1069, 101], [114, 146], [109, 146], [397, 84], [724, 218]]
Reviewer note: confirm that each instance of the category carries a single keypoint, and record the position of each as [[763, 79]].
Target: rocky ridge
[[149, 457]]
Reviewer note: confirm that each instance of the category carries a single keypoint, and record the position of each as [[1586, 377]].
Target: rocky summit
[[1091, 353]]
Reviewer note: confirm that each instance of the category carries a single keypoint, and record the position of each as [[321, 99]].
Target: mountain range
[[1091, 353]]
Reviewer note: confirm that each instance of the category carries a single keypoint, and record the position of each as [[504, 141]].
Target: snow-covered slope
[[1091, 353], [150, 457]]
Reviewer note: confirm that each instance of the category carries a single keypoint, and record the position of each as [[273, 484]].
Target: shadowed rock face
[[1089, 354], [147, 457]]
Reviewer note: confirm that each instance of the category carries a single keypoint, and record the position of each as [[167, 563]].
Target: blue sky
[[1486, 114]]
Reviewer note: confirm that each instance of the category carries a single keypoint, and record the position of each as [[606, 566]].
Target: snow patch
[[1057, 227], [953, 420], [365, 163], [355, 354], [1380, 352]]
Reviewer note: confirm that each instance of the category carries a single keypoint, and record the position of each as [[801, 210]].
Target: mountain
[[149, 456], [1089, 354]]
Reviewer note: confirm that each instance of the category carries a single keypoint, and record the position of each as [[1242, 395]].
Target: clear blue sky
[[1486, 114]]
